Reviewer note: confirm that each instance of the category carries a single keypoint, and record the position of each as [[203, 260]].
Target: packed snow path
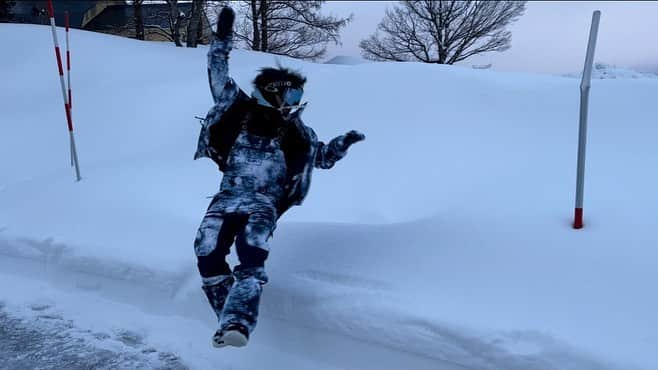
[[45, 343]]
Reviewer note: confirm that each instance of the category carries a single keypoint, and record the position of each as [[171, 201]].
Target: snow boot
[[235, 335]]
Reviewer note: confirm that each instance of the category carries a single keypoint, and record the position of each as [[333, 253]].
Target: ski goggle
[[285, 94], [292, 97]]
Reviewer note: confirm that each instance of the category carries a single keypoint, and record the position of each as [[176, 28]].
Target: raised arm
[[218, 54], [225, 93], [328, 154]]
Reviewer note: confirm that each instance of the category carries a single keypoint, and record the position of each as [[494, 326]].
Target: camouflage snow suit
[[267, 161]]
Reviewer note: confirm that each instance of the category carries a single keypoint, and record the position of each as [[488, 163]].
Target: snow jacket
[[233, 110]]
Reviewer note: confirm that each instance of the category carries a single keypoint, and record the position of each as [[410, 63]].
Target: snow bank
[[441, 241]]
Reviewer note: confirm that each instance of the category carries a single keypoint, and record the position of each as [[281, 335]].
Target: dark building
[[114, 17], [35, 12]]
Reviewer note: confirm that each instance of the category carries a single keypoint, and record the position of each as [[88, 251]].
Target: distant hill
[[608, 71], [346, 60]]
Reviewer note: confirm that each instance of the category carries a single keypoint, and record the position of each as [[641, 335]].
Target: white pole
[[585, 84]]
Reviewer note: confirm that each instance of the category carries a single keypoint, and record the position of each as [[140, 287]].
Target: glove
[[351, 138], [225, 23]]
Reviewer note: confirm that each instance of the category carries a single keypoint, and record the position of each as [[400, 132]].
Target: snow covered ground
[[441, 242]]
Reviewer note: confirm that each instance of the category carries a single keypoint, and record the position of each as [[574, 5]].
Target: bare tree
[[292, 28], [138, 19], [443, 32], [176, 18], [255, 16], [195, 23]]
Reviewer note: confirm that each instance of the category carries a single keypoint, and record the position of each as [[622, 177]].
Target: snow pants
[[249, 222]]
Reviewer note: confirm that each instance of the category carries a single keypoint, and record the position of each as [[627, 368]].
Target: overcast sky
[[551, 37]]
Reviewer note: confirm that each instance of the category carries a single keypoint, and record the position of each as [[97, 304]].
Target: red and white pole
[[68, 76], [69, 120], [68, 59]]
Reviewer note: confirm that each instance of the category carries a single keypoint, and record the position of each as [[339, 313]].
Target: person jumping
[[266, 154]]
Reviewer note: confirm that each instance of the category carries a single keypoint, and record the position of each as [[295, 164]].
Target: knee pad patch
[[258, 273], [257, 236], [207, 236]]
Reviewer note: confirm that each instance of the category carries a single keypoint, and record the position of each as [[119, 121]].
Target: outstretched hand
[[352, 137], [225, 23]]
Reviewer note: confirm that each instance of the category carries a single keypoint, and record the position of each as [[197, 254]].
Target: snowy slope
[[442, 241]]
